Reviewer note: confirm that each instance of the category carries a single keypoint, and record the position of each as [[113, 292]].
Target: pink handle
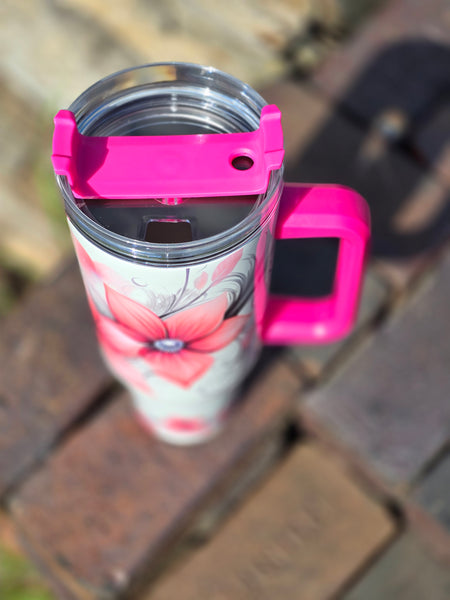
[[320, 211]]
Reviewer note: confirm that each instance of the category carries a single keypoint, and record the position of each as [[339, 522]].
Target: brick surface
[[301, 536], [100, 512], [8, 538], [29, 243], [30, 239], [375, 296], [410, 209], [396, 391], [33, 68], [433, 494], [95, 40], [243, 39], [18, 577], [431, 140], [398, 60], [50, 372], [407, 571], [394, 75], [19, 123]]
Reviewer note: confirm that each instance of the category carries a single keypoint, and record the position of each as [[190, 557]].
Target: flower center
[[168, 345]]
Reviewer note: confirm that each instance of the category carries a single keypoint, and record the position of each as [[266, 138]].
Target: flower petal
[[125, 371], [197, 322], [182, 368], [201, 280], [119, 338], [185, 425], [221, 337], [226, 265], [110, 276], [135, 316], [86, 262], [92, 305]]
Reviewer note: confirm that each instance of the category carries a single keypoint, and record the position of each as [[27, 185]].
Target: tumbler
[[172, 180]]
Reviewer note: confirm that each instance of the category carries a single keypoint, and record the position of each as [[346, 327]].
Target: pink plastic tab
[[175, 166]]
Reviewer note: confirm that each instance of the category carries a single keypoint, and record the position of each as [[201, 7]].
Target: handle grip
[[311, 212]]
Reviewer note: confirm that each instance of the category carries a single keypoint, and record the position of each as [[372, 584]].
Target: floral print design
[[179, 343], [177, 348]]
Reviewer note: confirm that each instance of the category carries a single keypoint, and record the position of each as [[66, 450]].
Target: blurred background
[[391, 89], [51, 50]]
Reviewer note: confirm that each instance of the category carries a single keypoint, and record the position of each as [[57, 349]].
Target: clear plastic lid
[[168, 99]]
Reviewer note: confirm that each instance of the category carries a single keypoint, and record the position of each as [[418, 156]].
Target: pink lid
[[171, 166]]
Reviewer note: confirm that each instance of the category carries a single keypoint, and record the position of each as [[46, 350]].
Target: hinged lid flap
[[173, 166]]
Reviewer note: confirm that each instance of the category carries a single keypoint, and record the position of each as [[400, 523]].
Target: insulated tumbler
[[172, 179]]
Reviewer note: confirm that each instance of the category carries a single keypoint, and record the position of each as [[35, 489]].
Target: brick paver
[[8, 538], [393, 76], [18, 577], [61, 52], [398, 64], [408, 206], [301, 536], [390, 404], [406, 571], [398, 60], [375, 297], [244, 39], [103, 509], [31, 240], [95, 40], [431, 141], [433, 493], [101, 506], [50, 372]]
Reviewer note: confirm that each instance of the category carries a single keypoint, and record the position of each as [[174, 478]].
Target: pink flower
[[178, 347], [226, 266], [201, 280], [184, 425], [125, 370], [96, 270]]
